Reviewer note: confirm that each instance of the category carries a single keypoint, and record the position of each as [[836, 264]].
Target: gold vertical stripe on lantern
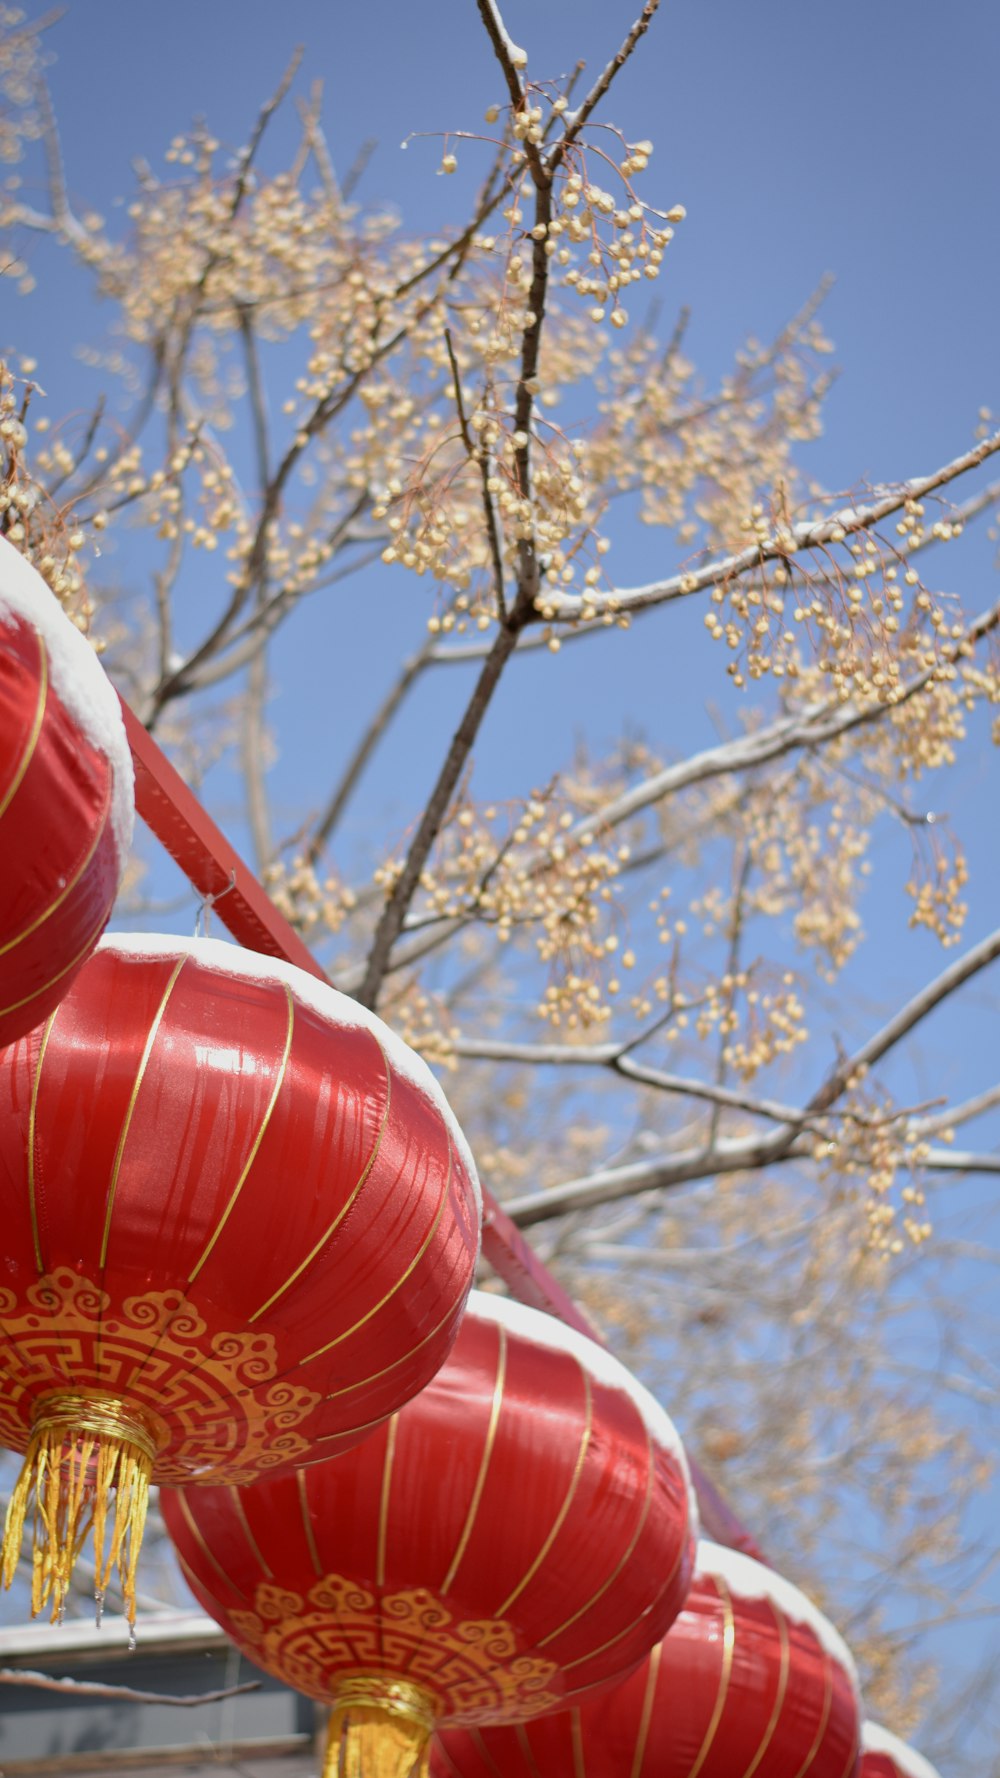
[[68, 887], [348, 1203], [36, 728], [779, 1697], [32, 1115], [728, 1648], [255, 1145], [645, 1719], [130, 1108]]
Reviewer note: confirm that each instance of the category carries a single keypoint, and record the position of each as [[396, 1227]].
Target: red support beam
[[189, 834], [185, 829]]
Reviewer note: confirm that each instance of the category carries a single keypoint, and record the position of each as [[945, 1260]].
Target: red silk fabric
[[59, 865], [736, 1687], [514, 1537], [225, 1207]]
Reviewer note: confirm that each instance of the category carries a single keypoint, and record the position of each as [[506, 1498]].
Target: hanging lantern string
[[207, 903]]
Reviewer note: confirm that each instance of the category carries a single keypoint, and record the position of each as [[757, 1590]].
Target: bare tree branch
[[92, 1688], [809, 534], [960, 1114], [576, 123], [907, 1018], [957, 1160], [480, 456], [733, 1155], [435, 810], [523, 611], [462, 653], [252, 705], [351, 774], [814, 728]]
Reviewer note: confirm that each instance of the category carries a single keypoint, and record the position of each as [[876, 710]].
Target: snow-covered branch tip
[[778, 546]]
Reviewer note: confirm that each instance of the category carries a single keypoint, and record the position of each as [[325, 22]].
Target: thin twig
[[479, 455], [814, 728], [523, 612], [90, 1688], [808, 534], [586, 109], [787, 1142], [398, 901], [363, 751], [908, 1016]]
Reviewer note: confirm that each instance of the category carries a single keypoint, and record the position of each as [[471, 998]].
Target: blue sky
[[802, 142], [858, 141]]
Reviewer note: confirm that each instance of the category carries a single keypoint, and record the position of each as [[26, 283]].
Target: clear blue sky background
[[858, 140]]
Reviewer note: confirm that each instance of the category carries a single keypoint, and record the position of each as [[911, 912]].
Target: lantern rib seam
[[196, 1533], [363, 1382], [647, 1711], [130, 1108], [824, 1718], [728, 1649], [477, 1492], [345, 1207], [616, 1571], [780, 1695], [401, 1280], [619, 1636], [32, 1118], [240, 1510], [307, 1524], [258, 1139], [383, 1511], [69, 886], [84, 951], [560, 1520], [36, 729]]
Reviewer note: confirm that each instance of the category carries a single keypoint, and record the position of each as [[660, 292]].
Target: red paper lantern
[[885, 1756], [751, 1679], [240, 1224], [66, 798], [519, 1534]]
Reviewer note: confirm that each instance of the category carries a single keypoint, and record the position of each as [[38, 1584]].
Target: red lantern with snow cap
[[885, 1756], [240, 1224], [751, 1679], [518, 1535], [66, 798]]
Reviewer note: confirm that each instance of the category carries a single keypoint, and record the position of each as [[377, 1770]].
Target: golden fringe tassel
[[82, 1449], [379, 1728]]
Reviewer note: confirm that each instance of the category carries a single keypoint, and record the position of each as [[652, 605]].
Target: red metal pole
[[186, 830]]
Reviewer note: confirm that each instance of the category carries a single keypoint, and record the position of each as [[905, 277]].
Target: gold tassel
[[379, 1727], [82, 1449]]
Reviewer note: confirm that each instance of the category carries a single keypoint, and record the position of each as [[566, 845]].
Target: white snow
[[329, 1003], [547, 1330], [748, 1579], [875, 1739], [518, 56], [78, 678]]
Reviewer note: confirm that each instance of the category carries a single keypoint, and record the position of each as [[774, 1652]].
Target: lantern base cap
[[380, 1727], [87, 1469]]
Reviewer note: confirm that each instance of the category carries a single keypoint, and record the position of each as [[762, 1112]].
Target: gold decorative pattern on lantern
[[341, 1627], [158, 1353]]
